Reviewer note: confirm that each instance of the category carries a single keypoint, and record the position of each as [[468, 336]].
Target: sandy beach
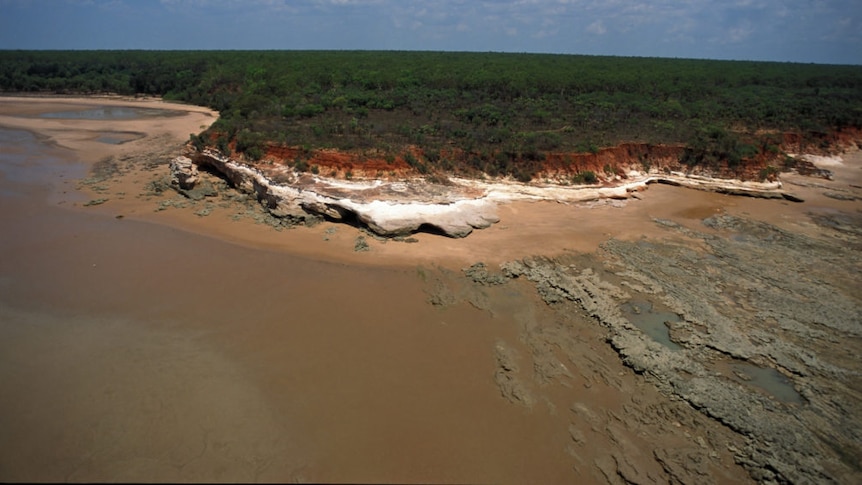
[[148, 337]]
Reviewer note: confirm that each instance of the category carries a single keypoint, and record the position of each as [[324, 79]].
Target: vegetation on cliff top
[[502, 112]]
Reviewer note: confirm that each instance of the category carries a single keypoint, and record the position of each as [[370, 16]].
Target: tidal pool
[[24, 161], [110, 113], [651, 322], [770, 380]]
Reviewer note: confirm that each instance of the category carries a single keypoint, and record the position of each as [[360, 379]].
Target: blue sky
[[820, 31]]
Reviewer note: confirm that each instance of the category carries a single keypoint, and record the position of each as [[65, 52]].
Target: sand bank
[[93, 139]]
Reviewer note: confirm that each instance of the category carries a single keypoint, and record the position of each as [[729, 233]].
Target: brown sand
[[167, 346]]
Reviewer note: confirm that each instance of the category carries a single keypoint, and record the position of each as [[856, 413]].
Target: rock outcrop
[[389, 210], [399, 208], [745, 307], [184, 173]]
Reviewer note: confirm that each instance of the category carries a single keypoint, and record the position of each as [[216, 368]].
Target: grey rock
[[506, 376], [479, 274], [184, 173], [200, 191], [93, 202], [361, 245], [757, 294]]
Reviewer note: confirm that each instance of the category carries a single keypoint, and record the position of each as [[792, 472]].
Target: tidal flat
[[157, 337]]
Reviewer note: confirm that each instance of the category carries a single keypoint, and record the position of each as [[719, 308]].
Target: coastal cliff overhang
[[396, 208]]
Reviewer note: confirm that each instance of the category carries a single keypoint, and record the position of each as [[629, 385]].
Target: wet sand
[[168, 346]]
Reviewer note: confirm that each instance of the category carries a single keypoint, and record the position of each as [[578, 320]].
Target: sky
[[810, 31]]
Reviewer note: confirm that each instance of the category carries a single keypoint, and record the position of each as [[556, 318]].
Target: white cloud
[[739, 33], [597, 28]]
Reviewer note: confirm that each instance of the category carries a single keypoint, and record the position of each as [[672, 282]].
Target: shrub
[[310, 110], [411, 159], [523, 173], [300, 165], [646, 164], [769, 173], [432, 155], [587, 177], [251, 144], [587, 146], [254, 153], [223, 146], [197, 142]]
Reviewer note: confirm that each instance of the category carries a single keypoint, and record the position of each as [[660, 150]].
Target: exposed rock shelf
[[749, 306]]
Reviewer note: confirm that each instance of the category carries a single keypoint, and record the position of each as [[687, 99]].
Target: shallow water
[[651, 322], [770, 380], [109, 113], [25, 161], [136, 352]]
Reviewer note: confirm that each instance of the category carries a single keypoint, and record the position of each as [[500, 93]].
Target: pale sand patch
[[80, 135]]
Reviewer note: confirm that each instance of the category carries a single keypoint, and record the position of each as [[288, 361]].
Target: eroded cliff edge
[[453, 206]]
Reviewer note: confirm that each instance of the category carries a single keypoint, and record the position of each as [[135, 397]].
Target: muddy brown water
[[132, 351]]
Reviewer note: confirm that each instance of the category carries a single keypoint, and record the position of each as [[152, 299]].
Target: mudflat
[[147, 336]]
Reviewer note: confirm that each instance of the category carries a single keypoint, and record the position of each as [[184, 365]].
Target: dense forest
[[507, 110]]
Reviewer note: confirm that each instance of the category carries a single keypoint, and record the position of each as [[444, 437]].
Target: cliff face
[[822, 143], [614, 161], [558, 166], [387, 209], [396, 196], [395, 206], [338, 164], [609, 165]]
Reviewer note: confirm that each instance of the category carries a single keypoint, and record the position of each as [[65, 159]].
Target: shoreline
[[540, 363], [404, 207], [526, 227]]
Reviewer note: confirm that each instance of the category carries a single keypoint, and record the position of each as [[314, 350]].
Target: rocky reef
[[759, 329]]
